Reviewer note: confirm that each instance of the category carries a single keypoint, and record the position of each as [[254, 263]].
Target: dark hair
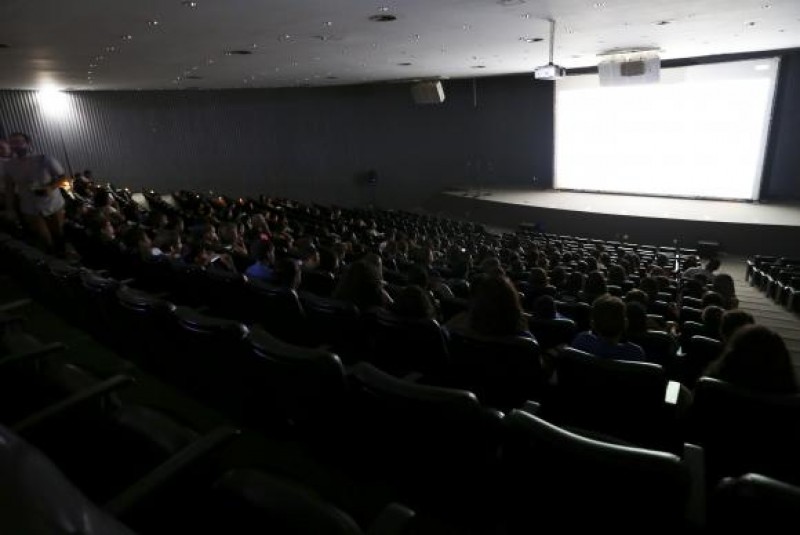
[[608, 316], [544, 307], [712, 319], [495, 309], [414, 302], [287, 273], [262, 250], [713, 298], [756, 358], [360, 285], [418, 275], [733, 320], [23, 135], [328, 260], [713, 265], [637, 318], [537, 277], [574, 283], [637, 296], [649, 285], [616, 274], [595, 285], [723, 285], [558, 276]]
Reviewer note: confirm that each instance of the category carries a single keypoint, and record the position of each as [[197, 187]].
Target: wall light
[[54, 102]]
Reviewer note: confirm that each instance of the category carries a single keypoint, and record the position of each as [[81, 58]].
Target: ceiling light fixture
[[284, 37], [126, 37], [663, 22], [383, 18], [152, 23], [189, 4], [238, 52], [531, 39], [478, 66]]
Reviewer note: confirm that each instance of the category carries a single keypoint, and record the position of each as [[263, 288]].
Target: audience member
[[608, 327]]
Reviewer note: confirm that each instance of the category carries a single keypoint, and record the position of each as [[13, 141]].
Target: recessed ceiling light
[[383, 18], [210, 61], [152, 23], [417, 37], [599, 5], [126, 37], [479, 66], [111, 49], [405, 64], [526, 15], [328, 23], [92, 65], [284, 37], [750, 24], [238, 52], [189, 4], [466, 27], [663, 22], [531, 39], [383, 9]]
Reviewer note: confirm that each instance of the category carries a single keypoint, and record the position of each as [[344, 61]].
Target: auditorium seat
[[744, 431], [438, 444], [580, 313], [628, 400], [552, 333], [335, 324], [249, 501], [660, 347], [276, 309], [556, 480], [698, 354], [401, 345], [691, 314], [503, 372], [753, 503], [321, 283], [142, 324], [290, 386]]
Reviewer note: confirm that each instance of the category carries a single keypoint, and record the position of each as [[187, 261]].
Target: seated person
[[544, 308], [263, 253], [167, 242], [608, 326], [723, 285], [732, 321], [712, 320], [413, 302], [361, 284], [495, 309], [287, 273], [756, 358]]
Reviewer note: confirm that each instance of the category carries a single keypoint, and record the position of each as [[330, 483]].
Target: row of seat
[[777, 277]]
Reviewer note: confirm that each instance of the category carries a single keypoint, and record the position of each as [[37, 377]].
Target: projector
[[549, 72]]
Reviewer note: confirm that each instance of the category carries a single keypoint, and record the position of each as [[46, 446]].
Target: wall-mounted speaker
[[427, 93]]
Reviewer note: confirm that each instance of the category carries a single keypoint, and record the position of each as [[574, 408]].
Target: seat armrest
[[694, 458], [32, 354], [169, 469], [393, 520], [531, 407], [413, 377], [72, 402], [12, 305]]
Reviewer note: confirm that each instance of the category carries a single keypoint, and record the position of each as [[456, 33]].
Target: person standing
[[35, 179]]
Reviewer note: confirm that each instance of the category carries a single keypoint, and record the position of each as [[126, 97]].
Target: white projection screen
[[701, 132]]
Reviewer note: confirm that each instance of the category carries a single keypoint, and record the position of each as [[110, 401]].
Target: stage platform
[[741, 228]]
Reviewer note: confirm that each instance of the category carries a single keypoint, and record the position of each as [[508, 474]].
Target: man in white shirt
[[35, 178]]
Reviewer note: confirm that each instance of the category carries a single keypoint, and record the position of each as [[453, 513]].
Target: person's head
[[287, 273], [263, 251], [544, 308], [713, 298], [102, 227], [756, 358], [169, 242], [649, 285], [712, 319], [5, 149], [595, 284], [228, 233], [20, 144], [558, 276], [376, 262], [198, 253], [637, 319], [637, 296], [713, 265], [608, 317], [495, 309], [537, 278], [414, 302], [574, 284], [328, 260], [723, 285], [732, 321], [136, 239], [361, 285], [419, 276], [616, 275]]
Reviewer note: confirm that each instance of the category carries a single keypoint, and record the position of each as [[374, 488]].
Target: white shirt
[[32, 173]]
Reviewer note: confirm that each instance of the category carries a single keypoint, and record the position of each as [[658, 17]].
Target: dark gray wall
[[304, 143], [782, 169]]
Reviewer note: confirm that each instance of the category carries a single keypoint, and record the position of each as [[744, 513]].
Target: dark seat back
[[580, 313], [334, 323], [698, 354], [551, 333], [578, 483], [753, 503], [277, 310], [503, 372], [620, 398], [403, 345], [744, 431], [660, 347], [293, 385]]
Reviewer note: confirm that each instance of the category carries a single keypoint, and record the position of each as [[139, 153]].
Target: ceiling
[[174, 44]]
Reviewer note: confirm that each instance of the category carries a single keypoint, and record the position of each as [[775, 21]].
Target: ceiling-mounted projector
[[551, 71]]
